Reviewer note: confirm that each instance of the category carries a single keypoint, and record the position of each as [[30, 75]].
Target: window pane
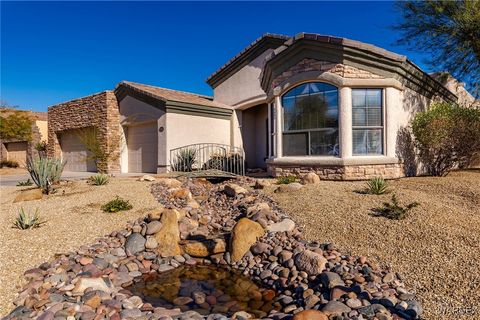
[[359, 117], [324, 143], [359, 141], [374, 117], [358, 98], [295, 144], [374, 138], [374, 97]]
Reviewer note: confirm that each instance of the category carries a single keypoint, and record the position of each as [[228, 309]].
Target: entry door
[[142, 143]]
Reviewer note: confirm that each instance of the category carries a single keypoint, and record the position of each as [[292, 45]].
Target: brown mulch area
[[74, 218], [436, 248]]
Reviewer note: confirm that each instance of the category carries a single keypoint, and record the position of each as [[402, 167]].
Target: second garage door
[[142, 148], [75, 153], [17, 151]]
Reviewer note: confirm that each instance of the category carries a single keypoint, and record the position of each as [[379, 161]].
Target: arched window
[[310, 120]]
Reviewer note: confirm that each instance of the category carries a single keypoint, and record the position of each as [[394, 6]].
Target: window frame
[[308, 131], [381, 128]]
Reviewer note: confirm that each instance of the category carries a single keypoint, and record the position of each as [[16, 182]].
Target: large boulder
[[283, 226], [310, 315], [135, 243], [233, 190], [102, 284], [311, 262], [204, 248], [169, 183], [311, 178], [294, 186], [168, 236], [28, 195], [244, 235]]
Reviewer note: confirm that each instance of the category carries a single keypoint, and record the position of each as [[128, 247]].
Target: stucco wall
[[182, 130], [244, 85], [98, 110], [43, 129]]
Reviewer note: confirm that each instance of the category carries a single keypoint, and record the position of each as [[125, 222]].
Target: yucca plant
[[394, 210], [98, 180], [26, 183], [27, 220], [377, 185], [45, 172], [184, 160]]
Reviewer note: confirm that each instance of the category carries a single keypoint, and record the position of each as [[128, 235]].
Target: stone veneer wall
[[350, 172], [98, 110], [307, 65]]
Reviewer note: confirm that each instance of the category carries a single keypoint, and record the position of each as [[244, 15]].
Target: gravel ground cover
[[73, 217], [436, 248]]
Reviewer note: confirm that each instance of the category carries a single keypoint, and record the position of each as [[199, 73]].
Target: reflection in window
[[310, 120], [367, 122]]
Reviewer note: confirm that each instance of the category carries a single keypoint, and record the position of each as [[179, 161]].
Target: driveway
[[13, 179]]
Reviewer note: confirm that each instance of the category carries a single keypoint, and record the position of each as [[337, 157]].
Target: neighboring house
[[294, 104], [19, 150]]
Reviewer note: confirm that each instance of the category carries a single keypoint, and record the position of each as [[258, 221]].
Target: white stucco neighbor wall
[[185, 129], [243, 86]]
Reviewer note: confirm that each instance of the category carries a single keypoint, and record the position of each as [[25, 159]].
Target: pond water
[[204, 289]]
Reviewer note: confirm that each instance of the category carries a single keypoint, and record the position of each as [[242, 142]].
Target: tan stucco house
[[293, 104], [19, 149]]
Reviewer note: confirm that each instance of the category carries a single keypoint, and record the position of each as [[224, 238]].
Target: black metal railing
[[208, 157]]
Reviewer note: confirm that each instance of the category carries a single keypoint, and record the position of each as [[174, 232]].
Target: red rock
[[85, 260], [310, 315]]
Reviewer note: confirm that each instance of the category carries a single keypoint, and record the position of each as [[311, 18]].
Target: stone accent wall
[[351, 172], [307, 65], [100, 111]]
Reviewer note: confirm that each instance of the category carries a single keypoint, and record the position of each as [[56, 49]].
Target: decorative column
[[278, 127], [345, 122]]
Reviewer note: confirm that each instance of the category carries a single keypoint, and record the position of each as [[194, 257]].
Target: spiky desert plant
[[184, 160], [45, 172], [25, 183], [394, 210], [98, 180], [117, 204], [377, 185], [27, 220]]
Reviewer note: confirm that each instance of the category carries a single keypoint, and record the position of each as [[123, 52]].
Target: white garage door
[[142, 148], [17, 151], [75, 153]]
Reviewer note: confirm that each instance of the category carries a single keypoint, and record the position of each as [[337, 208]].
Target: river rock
[[244, 235], [169, 183], [151, 243], [335, 308], [311, 262], [94, 283], [311, 178], [28, 195], [310, 315], [168, 236], [282, 226], [135, 243], [233, 190], [204, 248], [331, 279], [153, 227]]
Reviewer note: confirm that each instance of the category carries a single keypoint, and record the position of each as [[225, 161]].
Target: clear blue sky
[[57, 51]]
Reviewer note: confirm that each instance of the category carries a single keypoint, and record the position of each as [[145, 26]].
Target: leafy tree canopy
[[15, 124], [449, 31]]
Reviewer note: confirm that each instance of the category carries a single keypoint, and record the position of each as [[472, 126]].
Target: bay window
[[367, 121]]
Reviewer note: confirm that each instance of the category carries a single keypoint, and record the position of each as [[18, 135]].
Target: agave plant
[[377, 185], [45, 172], [26, 220], [99, 179], [184, 160], [394, 210], [25, 183]]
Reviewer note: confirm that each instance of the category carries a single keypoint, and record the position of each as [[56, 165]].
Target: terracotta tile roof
[[174, 95]]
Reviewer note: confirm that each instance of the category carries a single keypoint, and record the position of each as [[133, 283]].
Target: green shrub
[[8, 164], [27, 220], [394, 210], [286, 179], [377, 186], [117, 204], [45, 172], [447, 136], [184, 160], [26, 183], [98, 180]]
